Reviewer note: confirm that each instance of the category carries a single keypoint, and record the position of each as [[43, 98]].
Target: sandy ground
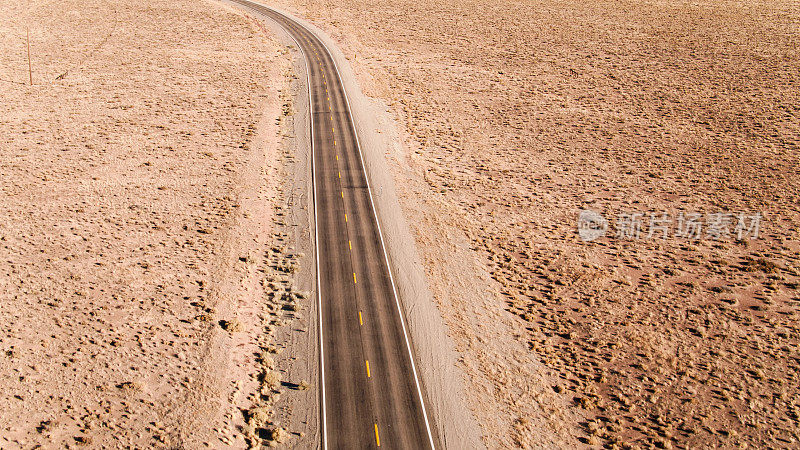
[[150, 279], [518, 115]]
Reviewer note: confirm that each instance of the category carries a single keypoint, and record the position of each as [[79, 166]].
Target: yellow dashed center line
[[349, 242]]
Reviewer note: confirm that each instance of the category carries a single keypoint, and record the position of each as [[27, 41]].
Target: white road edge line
[[316, 230], [316, 252], [316, 247]]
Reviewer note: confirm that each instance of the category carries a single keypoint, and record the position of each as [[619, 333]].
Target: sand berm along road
[[370, 396]]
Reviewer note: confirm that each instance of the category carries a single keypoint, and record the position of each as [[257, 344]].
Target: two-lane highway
[[371, 395]]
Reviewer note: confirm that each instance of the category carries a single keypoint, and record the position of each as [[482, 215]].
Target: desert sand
[[153, 272], [519, 115], [147, 271]]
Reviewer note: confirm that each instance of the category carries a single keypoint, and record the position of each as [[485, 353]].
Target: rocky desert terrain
[[147, 271], [518, 115]]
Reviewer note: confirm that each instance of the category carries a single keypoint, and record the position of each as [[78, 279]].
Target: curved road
[[370, 394]]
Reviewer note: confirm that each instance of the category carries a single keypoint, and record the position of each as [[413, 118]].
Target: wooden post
[[28, 40]]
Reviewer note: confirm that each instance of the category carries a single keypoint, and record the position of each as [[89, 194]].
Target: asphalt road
[[371, 395]]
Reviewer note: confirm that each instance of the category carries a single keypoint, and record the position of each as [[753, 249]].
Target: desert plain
[[143, 200]]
